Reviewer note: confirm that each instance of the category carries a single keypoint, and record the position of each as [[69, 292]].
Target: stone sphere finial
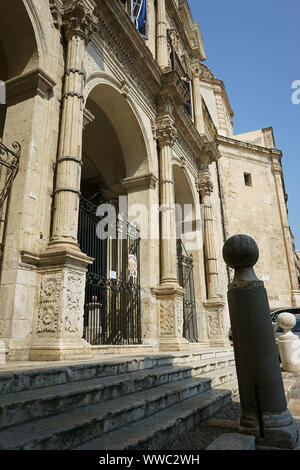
[[286, 320], [240, 251]]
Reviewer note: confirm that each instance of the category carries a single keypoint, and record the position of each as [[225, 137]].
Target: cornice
[[189, 30], [148, 181], [35, 82], [222, 140]]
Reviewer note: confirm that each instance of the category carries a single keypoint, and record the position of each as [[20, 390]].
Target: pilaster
[[214, 304], [161, 34], [197, 97]]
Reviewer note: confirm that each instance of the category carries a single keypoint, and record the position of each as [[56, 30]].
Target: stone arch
[[18, 37], [106, 93], [185, 193]]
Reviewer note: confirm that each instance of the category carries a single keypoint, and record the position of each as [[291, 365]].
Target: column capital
[[79, 20], [166, 131], [204, 183], [196, 69]]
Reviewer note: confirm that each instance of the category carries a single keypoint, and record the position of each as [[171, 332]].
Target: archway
[[113, 150], [18, 56], [187, 245]]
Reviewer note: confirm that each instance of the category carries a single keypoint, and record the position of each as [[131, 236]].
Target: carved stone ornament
[[78, 20], [205, 184], [216, 325], [166, 132], [56, 13], [74, 307], [196, 69], [167, 319], [49, 304]]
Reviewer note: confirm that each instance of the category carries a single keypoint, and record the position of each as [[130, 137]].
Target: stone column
[[206, 188], [79, 24], [214, 304], [197, 97], [161, 34], [58, 327], [169, 294], [166, 135]]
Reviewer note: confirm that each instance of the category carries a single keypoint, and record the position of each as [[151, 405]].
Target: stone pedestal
[[288, 344], [263, 401], [58, 326], [217, 334], [171, 318]]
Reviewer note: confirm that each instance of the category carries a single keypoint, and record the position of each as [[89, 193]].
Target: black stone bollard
[[263, 402]]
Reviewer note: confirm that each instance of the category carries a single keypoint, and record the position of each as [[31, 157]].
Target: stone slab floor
[[227, 421]]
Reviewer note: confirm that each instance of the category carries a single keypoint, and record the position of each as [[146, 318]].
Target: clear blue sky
[[254, 47]]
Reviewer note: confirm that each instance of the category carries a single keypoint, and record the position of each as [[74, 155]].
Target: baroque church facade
[[110, 101]]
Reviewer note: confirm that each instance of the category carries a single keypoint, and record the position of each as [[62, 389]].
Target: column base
[[173, 344], [170, 296], [60, 349], [217, 335], [280, 430], [58, 325]]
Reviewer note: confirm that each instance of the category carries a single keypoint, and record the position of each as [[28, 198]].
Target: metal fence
[[9, 165], [186, 280], [112, 299]]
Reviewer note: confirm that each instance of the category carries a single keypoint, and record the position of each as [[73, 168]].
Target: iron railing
[[112, 298], [9, 165], [186, 280], [176, 65]]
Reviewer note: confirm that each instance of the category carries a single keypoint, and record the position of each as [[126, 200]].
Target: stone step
[[208, 366], [36, 377], [203, 356], [47, 376], [22, 407], [221, 376], [232, 385], [67, 430], [154, 432]]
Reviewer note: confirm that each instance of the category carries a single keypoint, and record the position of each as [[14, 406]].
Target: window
[[137, 10], [247, 179]]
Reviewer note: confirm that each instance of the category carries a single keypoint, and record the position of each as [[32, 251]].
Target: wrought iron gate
[[9, 165], [186, 280], [112, 298]]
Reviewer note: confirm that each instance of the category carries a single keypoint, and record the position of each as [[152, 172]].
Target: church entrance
[[112, 298], [112, 311]]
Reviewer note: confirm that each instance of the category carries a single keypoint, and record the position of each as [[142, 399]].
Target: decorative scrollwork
[[8, 157]]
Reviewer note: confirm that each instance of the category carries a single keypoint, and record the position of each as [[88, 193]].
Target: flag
[[141, 16]]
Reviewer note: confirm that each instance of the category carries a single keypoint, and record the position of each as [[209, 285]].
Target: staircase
[[125, 403]]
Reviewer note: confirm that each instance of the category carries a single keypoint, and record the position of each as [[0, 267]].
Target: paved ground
[[227, 421]]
